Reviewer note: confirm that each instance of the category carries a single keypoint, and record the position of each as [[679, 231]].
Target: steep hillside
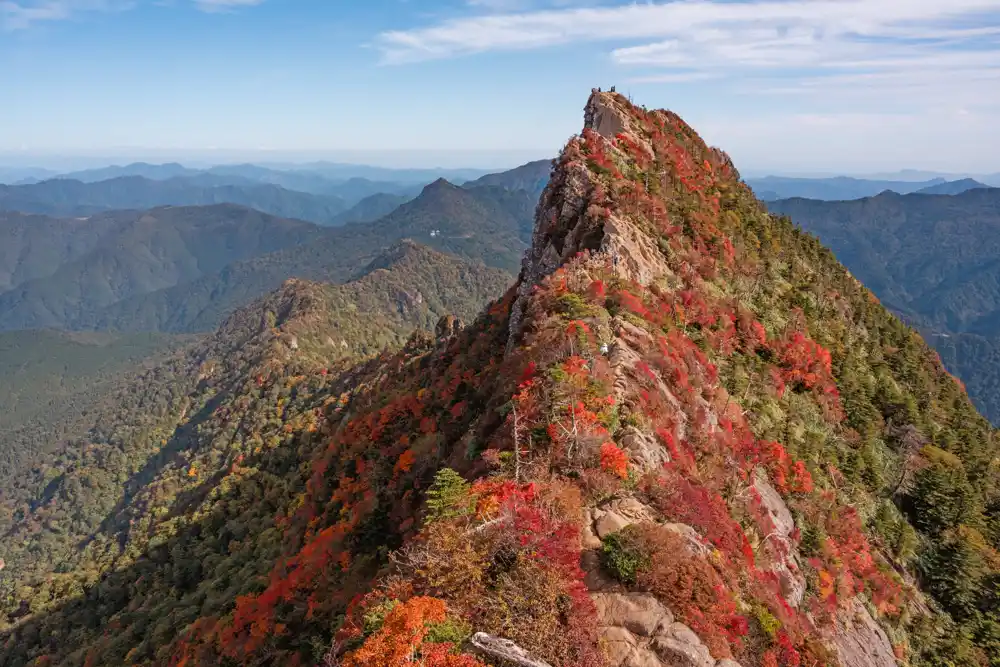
[[489, 224], [43, 368], [931, 259], [31, 246], [686, 436], [69, 198], [114, 256]]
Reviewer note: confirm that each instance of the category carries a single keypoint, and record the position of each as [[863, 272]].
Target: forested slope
[[933, 260]]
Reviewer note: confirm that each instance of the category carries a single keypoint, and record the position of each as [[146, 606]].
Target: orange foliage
[[614, 460], [398, 642], [405, 461]]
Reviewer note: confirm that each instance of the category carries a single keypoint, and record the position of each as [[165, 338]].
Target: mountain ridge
[[685, 436]]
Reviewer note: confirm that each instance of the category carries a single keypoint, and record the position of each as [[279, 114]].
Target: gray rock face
[[602, 118], [644, 451], [787, 569], [776, 508], [860, 641], [675, 652]]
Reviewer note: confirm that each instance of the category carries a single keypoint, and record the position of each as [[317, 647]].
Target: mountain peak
[[441, 185], [626, 158]]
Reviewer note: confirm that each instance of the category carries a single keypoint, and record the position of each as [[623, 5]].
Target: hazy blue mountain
[[157, 172], [11, 175], [341, 172], [531, 177], [952, 187], [350, 188], [72, 198], [372, 207]]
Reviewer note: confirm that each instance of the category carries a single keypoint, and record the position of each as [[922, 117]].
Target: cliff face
[[661, 447]]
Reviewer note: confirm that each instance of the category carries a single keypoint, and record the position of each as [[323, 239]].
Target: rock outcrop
[[860, 641], [448, 326], [786, 566], [505, 650], [639, 631]]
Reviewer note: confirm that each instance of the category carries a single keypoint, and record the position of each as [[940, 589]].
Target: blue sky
[[783, 85]]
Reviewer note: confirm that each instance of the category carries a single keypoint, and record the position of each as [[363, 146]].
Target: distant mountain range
[[483, 224], [322, 178], [355, 200], [72, 198], [842, 188]]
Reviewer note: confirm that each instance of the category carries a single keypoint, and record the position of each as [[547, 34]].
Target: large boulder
[[617, 514], [639, 631], [639, 613]]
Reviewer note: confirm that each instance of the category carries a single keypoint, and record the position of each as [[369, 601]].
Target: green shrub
[[622, 555], [375, 617], [451, 630]]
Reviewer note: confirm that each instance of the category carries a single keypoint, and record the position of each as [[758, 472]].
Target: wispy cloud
[[828, 58], [762, 29], [22, 14]]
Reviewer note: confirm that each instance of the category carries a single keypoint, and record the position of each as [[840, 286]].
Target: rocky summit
[[685, 437]]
